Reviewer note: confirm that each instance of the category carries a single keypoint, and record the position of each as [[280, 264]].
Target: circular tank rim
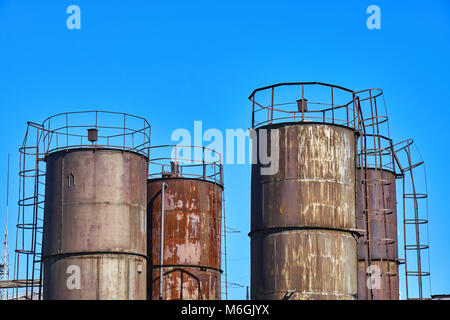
[[274, 230], [396, 260], [378, 169], [185, 266], [94, 149], [98, 253], [184, 178], [293, 123]]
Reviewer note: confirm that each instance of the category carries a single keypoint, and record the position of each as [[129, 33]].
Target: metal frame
[[29, 228], [63, 132], [419, 216], [375, 153], [185, 167]]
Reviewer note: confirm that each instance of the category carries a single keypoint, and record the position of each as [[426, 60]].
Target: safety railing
[[375, 154], [194, 162], [29, 227], [96, 129], [375, 147], [304, 102], [415, 221]]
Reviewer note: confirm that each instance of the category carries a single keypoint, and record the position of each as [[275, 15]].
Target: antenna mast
[[4, 265]]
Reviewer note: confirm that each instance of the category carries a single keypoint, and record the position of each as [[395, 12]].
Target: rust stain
[[98, 224], [301, 240], [383, 247], [192, 239]]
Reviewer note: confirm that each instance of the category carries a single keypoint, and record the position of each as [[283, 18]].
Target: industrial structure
[[185, 213], [84, 237], [103, 214], [324, 226], [303, 220]]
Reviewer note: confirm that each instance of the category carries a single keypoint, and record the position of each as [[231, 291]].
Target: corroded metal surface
[[302, 245], [187, 283], [192, 239], [95, 220], [316, 264], [380, 205]]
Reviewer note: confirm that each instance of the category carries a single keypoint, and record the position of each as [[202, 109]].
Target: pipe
[[161, 251]]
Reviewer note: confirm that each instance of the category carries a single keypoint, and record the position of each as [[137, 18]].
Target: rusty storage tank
[[95, 239], [303, 243], [382, 253], [190, 260]]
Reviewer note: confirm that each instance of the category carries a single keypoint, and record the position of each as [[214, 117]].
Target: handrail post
[[203, 162]]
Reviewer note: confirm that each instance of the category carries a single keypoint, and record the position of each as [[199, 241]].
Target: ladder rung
[[415, 196], [413, 166], [415, 221], [416, 247], [417, 273]]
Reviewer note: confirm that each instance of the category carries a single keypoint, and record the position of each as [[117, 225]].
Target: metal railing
[[375, 147], [186, 161], [113, 130], [304, 102]]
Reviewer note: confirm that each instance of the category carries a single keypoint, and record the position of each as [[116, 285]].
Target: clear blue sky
[[199, 60]]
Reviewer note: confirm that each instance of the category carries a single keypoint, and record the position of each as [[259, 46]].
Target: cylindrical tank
[[192, 239], [379, 264], [303, 245], [95, 237]]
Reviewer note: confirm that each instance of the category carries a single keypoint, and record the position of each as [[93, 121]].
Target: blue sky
[[181, 61]]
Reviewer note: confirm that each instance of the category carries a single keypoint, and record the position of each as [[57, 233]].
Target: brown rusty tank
[[192, 239], [382, 255], [95, 237], [303, 244]]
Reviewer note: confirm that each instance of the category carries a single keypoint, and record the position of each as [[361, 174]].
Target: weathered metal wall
[[301, 243], [192, 239], [95, 223], [381, 205]]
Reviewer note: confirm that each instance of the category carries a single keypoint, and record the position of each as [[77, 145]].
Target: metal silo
[[187, 223], [376, 202], [303, 239], [95, 237]]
